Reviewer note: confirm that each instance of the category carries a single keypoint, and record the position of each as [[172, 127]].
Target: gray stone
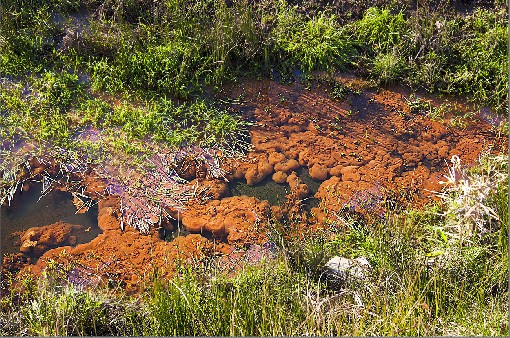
[[348, 269]]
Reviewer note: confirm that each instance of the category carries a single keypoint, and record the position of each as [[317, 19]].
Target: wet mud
[[370, 140]]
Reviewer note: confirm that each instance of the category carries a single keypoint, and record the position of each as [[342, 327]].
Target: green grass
[[313, 43], [439, 51], [57, 106], [172, 49], [40, 106]]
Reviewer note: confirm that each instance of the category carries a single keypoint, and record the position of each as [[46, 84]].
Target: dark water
[[313, 186], [267, 190], [27, 211], [275, 193], [170, 235]]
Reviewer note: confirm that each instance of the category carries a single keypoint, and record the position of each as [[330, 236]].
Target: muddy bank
[[127, 257], [53, 214]]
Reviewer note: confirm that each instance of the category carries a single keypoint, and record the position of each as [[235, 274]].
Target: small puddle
[[275, 193], [313, 186], [27, 211]]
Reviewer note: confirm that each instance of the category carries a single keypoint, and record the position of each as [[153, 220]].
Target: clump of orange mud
[[241, 219], [371, 140], [37, 240]]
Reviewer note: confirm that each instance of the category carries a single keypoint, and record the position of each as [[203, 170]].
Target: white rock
[[345, 268]]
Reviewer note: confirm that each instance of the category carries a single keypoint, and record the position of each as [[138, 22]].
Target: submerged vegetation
[[142, 72]]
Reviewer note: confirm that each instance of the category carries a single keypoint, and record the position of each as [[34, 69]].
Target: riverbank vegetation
[[173, 49], [146, 66]]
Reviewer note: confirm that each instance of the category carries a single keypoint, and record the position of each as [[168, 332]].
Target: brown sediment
[[371, 140], [128, 255], [368, 144], [240, 219], [37, 240]]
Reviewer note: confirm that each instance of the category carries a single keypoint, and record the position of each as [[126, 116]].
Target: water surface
[[274, 192], [28, 209]]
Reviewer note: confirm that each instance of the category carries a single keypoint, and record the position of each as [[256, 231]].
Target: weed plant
[[316, 43], [473, 197]]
